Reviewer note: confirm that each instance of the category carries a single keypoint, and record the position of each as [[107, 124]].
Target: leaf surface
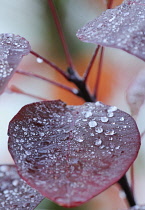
[[122, 27], [12, 49], [72, 153], [15, 193]]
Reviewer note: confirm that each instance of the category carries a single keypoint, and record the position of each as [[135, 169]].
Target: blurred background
[[32, 20]]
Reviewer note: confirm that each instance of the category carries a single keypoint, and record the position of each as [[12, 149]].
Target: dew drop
[[27, 152], [117, 147], [39, 60], [15, 182], [121, 119], [79, 139], [92, 134], [112, 109], [98, 103], [92, 124], [99, 130], [98, 142], [109, 132], [110, 114], [104, 119], [88, 114]]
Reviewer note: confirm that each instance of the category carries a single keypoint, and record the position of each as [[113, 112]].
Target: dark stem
[[60, 32], [96, 87], [79, 82], [87, 72], [129, 195], [50, 64]]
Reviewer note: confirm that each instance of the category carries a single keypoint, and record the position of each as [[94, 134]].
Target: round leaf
[[12, 49], [72, 153]]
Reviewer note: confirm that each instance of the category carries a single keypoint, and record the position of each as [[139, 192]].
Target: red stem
[[50, 64], [87, 72], [110, 4], [74, 91], [60, 32], [15, 89], [99, 73]]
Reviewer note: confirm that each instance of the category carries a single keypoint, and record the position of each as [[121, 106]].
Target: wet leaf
[[122, 27], [12, 49], [72, 153], [15, 193]]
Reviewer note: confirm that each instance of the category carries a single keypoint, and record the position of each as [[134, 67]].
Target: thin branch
[[15, 89], [96, 87], [50, 64], [72, 90], [125, 186], [60, 32], [110, 4], [87, 72]]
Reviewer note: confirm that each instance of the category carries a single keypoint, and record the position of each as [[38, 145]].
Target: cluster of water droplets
[[12, 48], [122, 27], [14, 192]]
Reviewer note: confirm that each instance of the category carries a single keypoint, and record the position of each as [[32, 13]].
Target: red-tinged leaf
[[15, 193], [12, 49], [72, 153], [122, 27]]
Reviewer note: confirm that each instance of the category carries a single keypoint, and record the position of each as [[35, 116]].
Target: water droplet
[[102, 146], [92, 134], [110, 114], [27, 152], [92, 124], [39, 60], [80, 139], [3, 168], [98, 142], [121, 119], [98, 103], [99, 130], [109, 132], [104, 119], [111, 138], [88, 114], [15, 182], [117, 147], [112, 109]]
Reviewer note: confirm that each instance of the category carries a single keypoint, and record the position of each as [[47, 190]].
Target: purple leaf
[[122, 27], [12, 49], [72, 153], [15, 193]]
